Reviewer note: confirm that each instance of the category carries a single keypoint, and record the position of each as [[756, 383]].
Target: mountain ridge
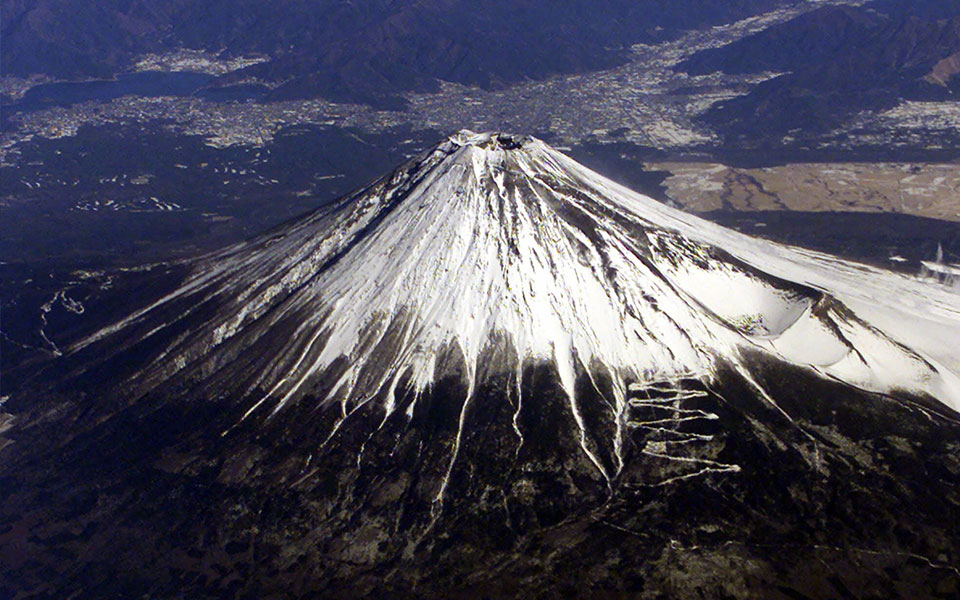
[[832, 63], [369, 52]]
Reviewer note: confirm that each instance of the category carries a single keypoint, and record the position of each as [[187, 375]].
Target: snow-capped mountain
[[501, 245], [492, 342]]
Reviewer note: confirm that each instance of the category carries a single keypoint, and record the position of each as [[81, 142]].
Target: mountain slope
[[834, 62], [490, 371]]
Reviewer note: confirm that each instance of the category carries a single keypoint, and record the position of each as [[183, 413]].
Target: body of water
[[148, 84]]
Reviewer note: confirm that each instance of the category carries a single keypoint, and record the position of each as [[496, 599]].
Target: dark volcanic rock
[[154, 501]]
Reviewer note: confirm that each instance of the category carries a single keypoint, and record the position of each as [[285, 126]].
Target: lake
[[149, 84]]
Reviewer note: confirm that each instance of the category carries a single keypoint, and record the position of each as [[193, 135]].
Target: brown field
[[927, 190]]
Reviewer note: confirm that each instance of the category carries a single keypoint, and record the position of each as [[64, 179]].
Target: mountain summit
[[494, 362]]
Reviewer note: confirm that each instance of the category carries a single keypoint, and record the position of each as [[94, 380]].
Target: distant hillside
[[837, 61], [365, 51]]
